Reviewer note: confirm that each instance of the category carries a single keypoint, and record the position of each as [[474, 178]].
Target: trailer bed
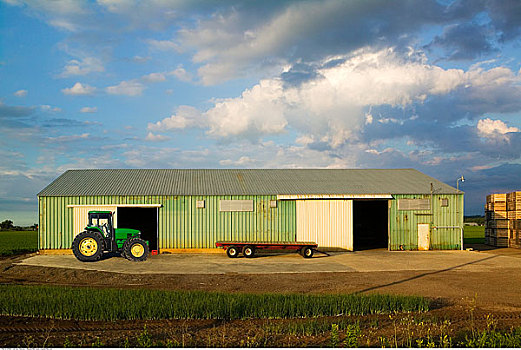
[[248, 248]]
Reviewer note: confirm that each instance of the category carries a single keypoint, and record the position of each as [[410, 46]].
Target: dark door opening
[[370, 224], [142, 219]]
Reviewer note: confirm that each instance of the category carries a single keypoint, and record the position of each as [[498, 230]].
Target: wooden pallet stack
[[514, 218], [497, 225]]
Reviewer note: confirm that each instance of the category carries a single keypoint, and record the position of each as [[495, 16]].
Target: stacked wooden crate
[[497, 227], [514, 218]]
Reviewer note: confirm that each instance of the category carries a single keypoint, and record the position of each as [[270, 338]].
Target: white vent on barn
[[236, 205], [414, 204]]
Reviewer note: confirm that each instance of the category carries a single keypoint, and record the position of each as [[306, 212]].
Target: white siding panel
[[81, 216], [329, 223]]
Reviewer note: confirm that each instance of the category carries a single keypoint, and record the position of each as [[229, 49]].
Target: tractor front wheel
[[88, 246], [136, 249]]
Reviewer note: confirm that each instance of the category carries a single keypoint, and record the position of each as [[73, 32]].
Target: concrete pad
[[363, 261]]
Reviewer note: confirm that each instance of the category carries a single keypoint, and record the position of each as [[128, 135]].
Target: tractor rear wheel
[[88, 246], [136, 249]]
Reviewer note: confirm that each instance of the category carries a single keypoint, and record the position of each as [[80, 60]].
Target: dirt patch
[[372, 330], [491, 289], [469, 300]]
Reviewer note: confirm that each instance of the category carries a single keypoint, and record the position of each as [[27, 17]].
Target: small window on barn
[[414, 204], [444, 202], [236, 205], [199, 204]]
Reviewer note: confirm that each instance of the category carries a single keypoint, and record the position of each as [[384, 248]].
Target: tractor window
[[102, 223]]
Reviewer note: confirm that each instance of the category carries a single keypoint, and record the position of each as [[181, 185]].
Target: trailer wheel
[[248, 251], [307, 252], [232, 251]]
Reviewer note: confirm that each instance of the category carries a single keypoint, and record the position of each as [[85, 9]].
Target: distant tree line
[[7, 225], [478, 219]]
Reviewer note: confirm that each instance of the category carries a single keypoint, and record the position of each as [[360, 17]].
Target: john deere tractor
[[100, 237]]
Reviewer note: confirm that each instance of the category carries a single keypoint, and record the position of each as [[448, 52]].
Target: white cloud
[[63, 14], [156, 137], [181, 74], [47, 108], [331, 104], [89, 110], [20, 93], [239, 40], [164, 45], [141, 59], [84, 66], [79, 89], [185, 117], [495, 129], [259, 110], [359, 100], [68, 138], [243, 161], [154, 78], [129, 88]]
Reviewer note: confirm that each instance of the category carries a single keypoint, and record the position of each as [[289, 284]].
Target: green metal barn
[[187, 209]]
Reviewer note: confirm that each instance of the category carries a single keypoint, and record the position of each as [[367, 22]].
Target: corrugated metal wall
[[180, 223], [329, 223], [403, 224]]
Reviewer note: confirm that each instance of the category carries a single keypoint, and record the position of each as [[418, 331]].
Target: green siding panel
[[403, 233], [180, 223]]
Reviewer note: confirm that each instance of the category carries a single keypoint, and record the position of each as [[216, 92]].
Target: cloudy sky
[[431, 85]]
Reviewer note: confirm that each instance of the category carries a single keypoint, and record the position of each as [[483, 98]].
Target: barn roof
[[134, 182]]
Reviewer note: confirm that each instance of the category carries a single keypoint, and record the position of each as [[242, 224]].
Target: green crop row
[[18, 242], [116, 304]]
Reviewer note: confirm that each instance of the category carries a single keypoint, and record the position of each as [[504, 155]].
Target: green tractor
[[101, 237]]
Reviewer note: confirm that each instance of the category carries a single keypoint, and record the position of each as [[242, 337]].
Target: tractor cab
[[100, 237], [101, 221]]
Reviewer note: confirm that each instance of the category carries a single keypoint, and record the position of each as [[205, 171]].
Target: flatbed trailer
[[248, 248]]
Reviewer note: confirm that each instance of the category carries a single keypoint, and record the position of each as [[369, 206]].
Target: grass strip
[[474, 232], [18, 242], [118, 304], [474, 240]]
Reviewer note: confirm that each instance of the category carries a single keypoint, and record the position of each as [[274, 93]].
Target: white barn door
[[81, 216], [423, 236], [328, 222]]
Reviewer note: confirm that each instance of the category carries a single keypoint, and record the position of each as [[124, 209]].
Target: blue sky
[[432, 85]]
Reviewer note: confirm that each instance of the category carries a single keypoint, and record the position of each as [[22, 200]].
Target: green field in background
[[474, 234], [18, 242]]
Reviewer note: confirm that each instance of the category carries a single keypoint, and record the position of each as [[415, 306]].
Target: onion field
[[117, 304]]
